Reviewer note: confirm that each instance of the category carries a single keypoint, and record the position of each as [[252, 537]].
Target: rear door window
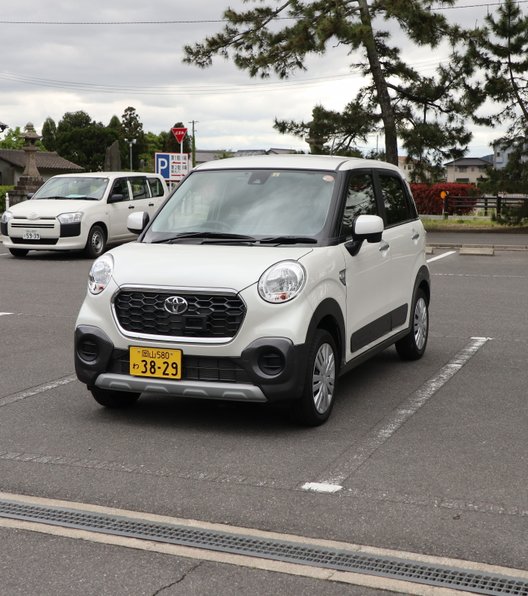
[[156, 187], [139, 188], [398, 207]]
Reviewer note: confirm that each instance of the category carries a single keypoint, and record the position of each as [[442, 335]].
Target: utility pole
[[193, 146]]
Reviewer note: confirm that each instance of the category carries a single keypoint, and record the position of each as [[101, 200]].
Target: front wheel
[[18, 252], [114, 399], [96, 243], [412, 346], [317, 399]]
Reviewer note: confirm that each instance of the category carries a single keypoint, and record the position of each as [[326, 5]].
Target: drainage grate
[[278, 550]]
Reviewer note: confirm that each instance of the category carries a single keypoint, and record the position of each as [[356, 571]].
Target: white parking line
[[442, 256], [11, 399], [356, 455], [5, 313]]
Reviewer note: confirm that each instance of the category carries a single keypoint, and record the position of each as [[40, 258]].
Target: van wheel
[[96, 243], [18, 252], [114, 399], [412, 346], [317, 400]]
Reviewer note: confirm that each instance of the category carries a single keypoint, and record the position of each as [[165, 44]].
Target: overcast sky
[[102, 56]]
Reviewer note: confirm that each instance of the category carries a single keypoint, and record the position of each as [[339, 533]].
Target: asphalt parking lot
[[422, 462]]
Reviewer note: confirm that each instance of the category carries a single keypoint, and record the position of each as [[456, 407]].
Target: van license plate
[[30, 235], [155, 362]]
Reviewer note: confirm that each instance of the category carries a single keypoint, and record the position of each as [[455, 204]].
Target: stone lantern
[[30, 148], [31, 180]]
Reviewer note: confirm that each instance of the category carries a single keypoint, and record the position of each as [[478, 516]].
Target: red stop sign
[[179, 133]]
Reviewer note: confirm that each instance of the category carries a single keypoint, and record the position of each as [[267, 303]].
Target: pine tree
[[259, 43]]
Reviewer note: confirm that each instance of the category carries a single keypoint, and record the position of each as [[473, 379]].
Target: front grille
[[33, 225], [207, 315], [194, 368]]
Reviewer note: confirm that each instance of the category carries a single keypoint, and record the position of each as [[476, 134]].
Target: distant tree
[[132, 132], [332, 132], [259, 42], [49, 134], [82, 140], [500, 51], [153, 145], [12, 139]]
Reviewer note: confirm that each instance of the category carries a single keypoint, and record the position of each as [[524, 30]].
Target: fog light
[[88, 350], [271, 362]]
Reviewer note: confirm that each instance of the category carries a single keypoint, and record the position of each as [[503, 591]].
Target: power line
[[204, 21]]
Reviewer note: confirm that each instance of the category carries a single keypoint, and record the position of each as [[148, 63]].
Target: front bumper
[[269, 369]]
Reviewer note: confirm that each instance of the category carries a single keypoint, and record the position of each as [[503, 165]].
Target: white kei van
[[81, 212]]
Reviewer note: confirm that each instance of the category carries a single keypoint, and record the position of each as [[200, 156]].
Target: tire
[[114, 399], [316, 402], [412, 346], [96, 242], [19, 252]]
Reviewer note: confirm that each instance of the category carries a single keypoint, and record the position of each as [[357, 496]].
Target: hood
[[37, 208], [197, 265]]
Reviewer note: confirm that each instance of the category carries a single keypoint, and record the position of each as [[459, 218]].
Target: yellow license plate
[[155, 362]]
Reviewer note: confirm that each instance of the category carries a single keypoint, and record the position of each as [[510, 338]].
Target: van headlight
[[70, 218], [100, 274], [6, 216], [281, 282]]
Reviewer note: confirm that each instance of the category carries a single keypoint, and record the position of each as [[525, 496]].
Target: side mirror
[[137, 222], [115, 198], [365, 227]]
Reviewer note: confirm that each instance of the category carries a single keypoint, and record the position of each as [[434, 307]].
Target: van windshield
[[72, 187], [254, 203]]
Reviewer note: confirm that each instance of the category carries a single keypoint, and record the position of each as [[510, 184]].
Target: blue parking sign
[[162, 161]]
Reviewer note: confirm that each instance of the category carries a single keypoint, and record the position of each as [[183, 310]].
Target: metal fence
[[459, 205]]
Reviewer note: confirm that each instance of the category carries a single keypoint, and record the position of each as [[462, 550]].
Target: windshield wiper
[[288, 240], [207, 236]]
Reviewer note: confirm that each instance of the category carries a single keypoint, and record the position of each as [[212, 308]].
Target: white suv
[[260, 279], [81, 212]]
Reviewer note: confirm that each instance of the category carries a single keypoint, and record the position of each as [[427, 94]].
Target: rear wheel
[[114, 399], [19, 252], [412, 346], [317, 400], [96, 243]]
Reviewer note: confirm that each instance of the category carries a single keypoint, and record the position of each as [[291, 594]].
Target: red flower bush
[[461, 198]]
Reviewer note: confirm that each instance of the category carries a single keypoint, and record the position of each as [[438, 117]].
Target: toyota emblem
[[175, 305]]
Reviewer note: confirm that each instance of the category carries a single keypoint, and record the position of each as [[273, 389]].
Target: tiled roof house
[[49, 163]]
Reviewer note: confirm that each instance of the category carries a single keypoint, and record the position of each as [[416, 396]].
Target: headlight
[[6, 216], [281, 282], [100, 274], [69, 218]]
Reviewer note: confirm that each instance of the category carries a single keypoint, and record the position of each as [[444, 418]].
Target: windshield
[[72, 187], [250, 203]]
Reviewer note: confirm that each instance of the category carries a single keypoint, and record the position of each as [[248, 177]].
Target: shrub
[[428, 201]]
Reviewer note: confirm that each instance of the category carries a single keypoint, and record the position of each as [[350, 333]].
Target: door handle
[[384, 246], [131, 207], [415, 236]]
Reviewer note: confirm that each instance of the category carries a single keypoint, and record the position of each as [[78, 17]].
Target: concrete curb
[[495, 247]]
